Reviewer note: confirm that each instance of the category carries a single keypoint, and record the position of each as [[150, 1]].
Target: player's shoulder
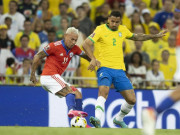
[[101, 27], [122, 27], [55, 44]]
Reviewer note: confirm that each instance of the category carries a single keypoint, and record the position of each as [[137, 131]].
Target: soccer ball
[[78, 122]]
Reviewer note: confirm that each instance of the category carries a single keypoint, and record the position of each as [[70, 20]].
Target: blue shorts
[[107, 76]]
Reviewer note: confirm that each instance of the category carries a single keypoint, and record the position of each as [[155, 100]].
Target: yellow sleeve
[[128, 33], [38, 42], [17, 39], [95, 35]]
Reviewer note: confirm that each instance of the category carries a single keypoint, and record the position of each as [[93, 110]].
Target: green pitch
[[77, 131]]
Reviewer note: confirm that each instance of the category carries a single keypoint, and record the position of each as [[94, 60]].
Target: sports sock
[[78, 104], [99, 110], [166, 103], [70, 101], [125, 109]]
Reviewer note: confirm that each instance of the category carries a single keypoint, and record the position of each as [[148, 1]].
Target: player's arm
[[87, 48], [83, 55], [38, 57], [143, 37]]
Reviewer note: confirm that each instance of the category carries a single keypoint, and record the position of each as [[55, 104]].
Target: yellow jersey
[[34, 41], [9, 71], [172, 56], [168, 71], [152, 48], [110, 45]]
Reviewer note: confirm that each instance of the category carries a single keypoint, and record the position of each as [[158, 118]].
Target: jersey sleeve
[[128, 33], [95, 35], [78, 50], [49, 49]]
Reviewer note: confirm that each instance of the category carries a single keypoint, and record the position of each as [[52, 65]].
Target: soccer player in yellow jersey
[[108, 39]]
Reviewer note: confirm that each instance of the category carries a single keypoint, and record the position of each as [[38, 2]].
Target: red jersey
[[58, 57]]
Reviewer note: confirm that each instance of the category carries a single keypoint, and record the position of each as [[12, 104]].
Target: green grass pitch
[[77, 131]]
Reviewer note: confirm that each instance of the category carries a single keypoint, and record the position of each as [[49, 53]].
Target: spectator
[[10, 70], [81, 37], [152, 47], [87, 8], [10, 32], [154, 77], [169, 25], [5, 41], [172, 51], [136, 70], [27, 8], [17, 18], [154, 7], [147, 19], [176, 17], [104, 14], [145, 56], [63, 7], [64, 25], [46, 15], [125, 20], [34, 41], [164, 14], [24, 51], [135, 6], [74, 3], [1, 8], [166, 67], [85, 23], [38, 28], [48, 26], [25, 71], [135, 20], [51, 38]]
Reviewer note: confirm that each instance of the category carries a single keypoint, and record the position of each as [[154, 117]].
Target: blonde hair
[[72, 30]]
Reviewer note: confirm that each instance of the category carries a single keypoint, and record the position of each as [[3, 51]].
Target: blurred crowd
[[26, 26]]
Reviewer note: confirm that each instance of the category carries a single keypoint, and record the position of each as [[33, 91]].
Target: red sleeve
[[49, 49], [78, 50]]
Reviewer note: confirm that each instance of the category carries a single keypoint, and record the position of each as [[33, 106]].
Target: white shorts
[[53, 83]]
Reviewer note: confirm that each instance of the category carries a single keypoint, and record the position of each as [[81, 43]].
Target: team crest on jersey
[[47, 47], [120, 34], [92, 35], [71, 54]]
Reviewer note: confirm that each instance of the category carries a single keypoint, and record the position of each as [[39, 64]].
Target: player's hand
[[92, 65], [33, 79], [161, 34], [98, 63]]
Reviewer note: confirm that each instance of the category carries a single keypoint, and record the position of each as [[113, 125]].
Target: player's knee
[[131, 101], [103, 91], [78, 94]]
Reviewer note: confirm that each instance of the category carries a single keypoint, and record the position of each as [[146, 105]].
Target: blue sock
[[165, 104], [70, 101], [78, 104]]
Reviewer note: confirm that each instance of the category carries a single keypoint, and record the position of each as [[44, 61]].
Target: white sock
[[125, 109], [99, 110]]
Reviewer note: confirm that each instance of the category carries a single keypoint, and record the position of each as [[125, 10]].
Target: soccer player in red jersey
[[58, 56]]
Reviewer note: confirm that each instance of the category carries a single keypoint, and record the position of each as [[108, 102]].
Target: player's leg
[[125, 88], [104, 83], [56, 85], [149, 114], [99, 107], [78, 98], [169, 100]]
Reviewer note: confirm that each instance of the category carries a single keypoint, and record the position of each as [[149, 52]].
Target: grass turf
[[77, 131]]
